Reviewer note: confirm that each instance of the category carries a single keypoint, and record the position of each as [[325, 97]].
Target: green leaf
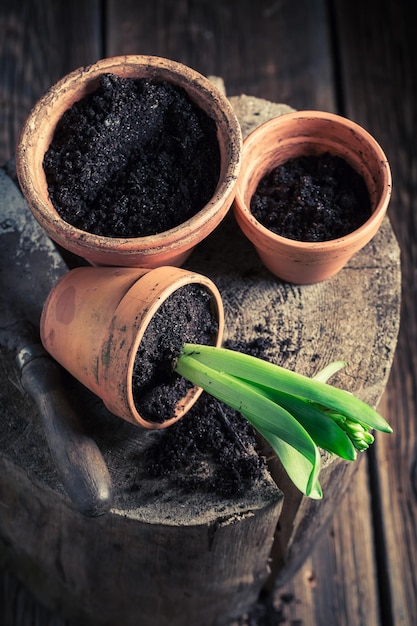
[[261, 372], [266, 416], [324, 431], [297, 467]]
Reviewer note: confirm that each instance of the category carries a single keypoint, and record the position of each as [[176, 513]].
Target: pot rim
[[273, 126], [31, 143], [182, 279]]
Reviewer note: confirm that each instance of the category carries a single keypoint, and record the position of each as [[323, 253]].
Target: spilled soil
[[213, 448]]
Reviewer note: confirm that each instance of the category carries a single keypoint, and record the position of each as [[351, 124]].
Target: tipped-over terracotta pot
[[171, 247], [93, 322], [305, 133]]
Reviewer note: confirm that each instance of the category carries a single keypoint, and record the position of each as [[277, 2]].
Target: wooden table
[[354, 58]]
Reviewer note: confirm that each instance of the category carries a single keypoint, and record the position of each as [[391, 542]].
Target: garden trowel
[[29, 267]]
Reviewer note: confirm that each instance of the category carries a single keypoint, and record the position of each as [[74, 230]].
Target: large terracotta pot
[[305, 133], [94, 319], [171, 247]]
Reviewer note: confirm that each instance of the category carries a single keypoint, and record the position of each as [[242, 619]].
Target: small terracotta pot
[[94, 319], [300, 134], [171, 247]]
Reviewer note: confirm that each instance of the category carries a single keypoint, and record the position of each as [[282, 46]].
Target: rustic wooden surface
[[222, 577], [350, 57]]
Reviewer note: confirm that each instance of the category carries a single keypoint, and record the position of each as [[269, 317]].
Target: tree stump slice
[[160, 557]]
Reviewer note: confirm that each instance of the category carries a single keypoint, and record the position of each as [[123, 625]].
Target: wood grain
[[40, 42], [273, 50], [342, 564]]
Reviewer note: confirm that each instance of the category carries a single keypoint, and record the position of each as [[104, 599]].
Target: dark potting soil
[[134, 158], [312, 198], [186, 316], [212, 448]]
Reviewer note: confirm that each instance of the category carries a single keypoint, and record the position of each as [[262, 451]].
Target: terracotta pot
[[171, 247], [310, 133], [94, 319]]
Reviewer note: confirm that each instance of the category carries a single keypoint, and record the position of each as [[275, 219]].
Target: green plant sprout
[[294, 413]]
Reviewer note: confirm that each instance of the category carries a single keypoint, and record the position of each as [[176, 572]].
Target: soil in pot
[[186, 316], [132, 159], [312, 198]]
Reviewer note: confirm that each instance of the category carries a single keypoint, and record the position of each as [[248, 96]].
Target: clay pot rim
[[153, 65], [182, 279], [273, 126]]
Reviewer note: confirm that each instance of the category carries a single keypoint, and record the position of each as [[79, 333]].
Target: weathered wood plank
[[338, 583], [40, 42], [380, 85], [273, 50]]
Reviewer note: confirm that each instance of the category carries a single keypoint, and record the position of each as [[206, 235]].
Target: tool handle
[[77, 457]]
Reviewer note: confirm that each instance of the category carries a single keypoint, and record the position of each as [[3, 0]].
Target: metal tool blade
[[30, 265]]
